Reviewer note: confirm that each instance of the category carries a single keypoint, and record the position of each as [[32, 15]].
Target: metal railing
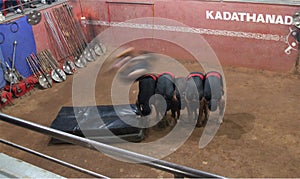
[[179, 171], [24, 9], [52, 159], [278, 2]]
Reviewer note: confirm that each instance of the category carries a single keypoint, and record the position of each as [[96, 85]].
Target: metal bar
[[11, 7], [20, 4], [169, 167], [273, 2], [123, 2], [53, 159], [56, 45], [41, 6]]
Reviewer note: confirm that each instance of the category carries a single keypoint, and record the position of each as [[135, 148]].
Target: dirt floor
[[259, 137]]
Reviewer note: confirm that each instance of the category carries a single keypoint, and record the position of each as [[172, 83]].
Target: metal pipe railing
[[83, 170], [175, 169], [20, 5], [132, 3]]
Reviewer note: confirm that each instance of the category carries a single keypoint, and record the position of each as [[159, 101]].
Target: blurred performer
[[165, 87], [147, 84], [194, 97], [213, 92]]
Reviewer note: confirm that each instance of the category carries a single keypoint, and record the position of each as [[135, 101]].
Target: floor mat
[[105, 123]]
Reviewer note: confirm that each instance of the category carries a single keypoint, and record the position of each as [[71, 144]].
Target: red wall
[[231, 51]]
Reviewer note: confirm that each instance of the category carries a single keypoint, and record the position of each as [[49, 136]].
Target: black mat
[[108, 129]]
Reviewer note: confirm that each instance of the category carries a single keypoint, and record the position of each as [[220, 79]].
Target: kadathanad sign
[[249, 17]]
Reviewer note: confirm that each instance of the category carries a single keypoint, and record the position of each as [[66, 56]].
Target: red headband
[[195, 75], [215, 74], [168, 73]]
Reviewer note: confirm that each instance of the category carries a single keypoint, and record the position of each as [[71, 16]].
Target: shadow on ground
[[235, 125]]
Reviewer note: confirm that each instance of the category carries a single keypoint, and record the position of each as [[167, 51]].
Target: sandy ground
[[259, 136]]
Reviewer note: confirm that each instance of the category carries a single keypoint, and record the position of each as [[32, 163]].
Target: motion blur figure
[[195, 98], [214, 92], [130, 64], [147, 84]]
